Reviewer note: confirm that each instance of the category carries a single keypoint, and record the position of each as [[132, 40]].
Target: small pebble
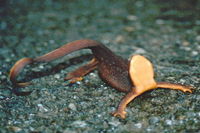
[[139, 3], [114, 123], [51, 41], [119, 39], [160, 22], [149, 129], [129, 28], [8, 60], [72, 106], [104, 41], [140, 51], [15, 129], [41, 66], [132, 17], [79, 124], [169, 122], [57, 76], [198, 38], [138, 125], [69, 131], [182, 81], [42, 108], [194, 53], [187, 48], [99, 115], [185, 43], [3, 25], [197, 22], [199, 114], [154, 120]]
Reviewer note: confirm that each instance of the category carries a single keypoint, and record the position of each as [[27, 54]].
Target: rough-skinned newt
[[133, 77]]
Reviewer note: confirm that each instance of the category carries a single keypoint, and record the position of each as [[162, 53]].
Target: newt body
[[133, 77], [112, 68]]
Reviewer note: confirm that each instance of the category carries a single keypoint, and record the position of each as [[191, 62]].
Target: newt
[[133, 77]]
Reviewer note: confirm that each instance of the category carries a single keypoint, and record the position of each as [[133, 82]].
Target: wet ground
[[166, 32]]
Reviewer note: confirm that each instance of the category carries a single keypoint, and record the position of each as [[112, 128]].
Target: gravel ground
[[165, 31]]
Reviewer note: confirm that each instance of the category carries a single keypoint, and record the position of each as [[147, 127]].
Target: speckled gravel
[[166, 32]]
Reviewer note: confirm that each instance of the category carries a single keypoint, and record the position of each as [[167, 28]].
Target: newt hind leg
[[142, 76], [77, 75], [174, 86]]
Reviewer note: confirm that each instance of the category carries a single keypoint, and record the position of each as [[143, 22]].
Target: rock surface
[[166, 32]]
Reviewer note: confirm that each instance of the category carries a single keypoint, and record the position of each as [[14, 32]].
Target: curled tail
[[57, 53]]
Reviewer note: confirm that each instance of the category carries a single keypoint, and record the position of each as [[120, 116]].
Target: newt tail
[[57, 53], [67, 49]]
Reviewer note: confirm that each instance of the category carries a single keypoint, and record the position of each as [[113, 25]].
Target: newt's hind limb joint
[[78, 74]]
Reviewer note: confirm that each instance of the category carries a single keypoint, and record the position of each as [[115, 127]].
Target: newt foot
[[74, 80], [121, 114], [187, 90]]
